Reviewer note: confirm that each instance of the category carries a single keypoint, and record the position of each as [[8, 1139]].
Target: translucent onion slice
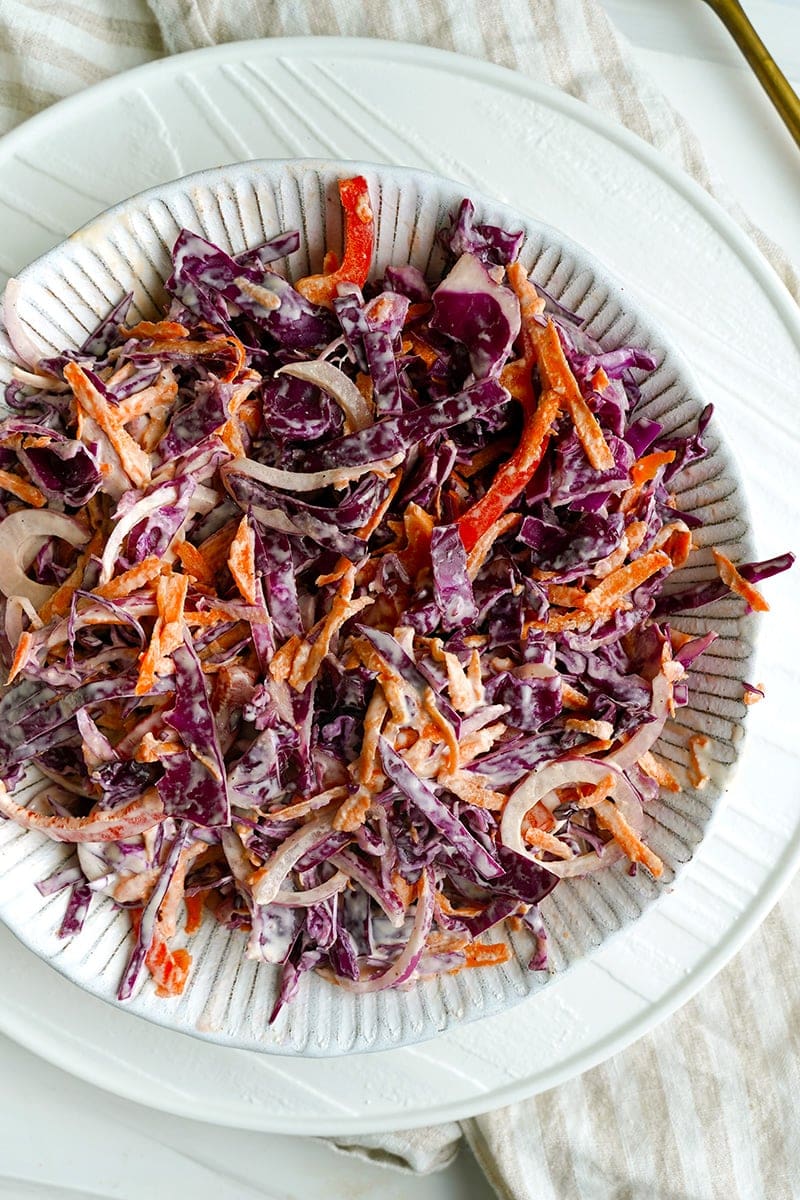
[[22, 535], [646, 737], [109, 825], [308, 481], [407, 961], [160, 498], [541, 786], [266, 882], [338, 386], [315, 895], [26, 350]]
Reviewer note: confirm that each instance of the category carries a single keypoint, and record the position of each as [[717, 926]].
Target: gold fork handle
[[769, 74]]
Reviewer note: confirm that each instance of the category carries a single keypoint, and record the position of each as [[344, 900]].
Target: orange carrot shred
[[479, 954], [242, 561], [22, 489], [646, 468], [155, 330], [194, 563], [131, 580], [194, 911], [624, 580], [738, 584], [20, 655]]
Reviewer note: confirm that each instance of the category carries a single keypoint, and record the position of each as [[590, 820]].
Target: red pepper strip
[[359, 243], [515, 473]]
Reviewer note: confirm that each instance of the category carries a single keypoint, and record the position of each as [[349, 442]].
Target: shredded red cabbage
[[325, 653]]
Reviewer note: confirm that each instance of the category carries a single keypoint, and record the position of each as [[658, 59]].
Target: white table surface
[[65, 1140]]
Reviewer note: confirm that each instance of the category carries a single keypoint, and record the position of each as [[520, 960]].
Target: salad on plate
[[338, 610]]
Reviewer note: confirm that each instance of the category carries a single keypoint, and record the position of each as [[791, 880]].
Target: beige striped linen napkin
[[706, 1106]]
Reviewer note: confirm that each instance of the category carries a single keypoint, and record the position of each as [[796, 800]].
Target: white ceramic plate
[[496, 131], [65, 294]]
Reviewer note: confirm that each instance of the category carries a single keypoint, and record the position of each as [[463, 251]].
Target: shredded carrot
[[407, 892], [546, 841], [280, 667], [414, 345], [559, 621], [565, 596], [531, 305], [231, 437], [599, 381], [210, 616], [217, 545], [155, 331], [418, 527], [21, 489], [194, 911], [479, 954], [676, 541], [659, 771], [480, 551], [242, 561], [753, 695], [365, 766], [473, 789], [131, 580], [599, 729], [135, 463], [610, 818], [353, 812], [635, 535], [698, 776], [169, 968], [468, 911], [149, 661], [738, 584], [646, 468], [171, 598], [621, 582], [24, 647], [194, 563], [558, 374], [595, 746], [444, 727], [516, 379], [596, 794], [150, 749], [227, 346], [572, 698]]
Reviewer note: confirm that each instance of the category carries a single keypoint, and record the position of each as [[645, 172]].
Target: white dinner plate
[[685, 260]]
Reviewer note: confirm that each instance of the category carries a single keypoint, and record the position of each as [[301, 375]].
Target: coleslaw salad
[[340, 605]]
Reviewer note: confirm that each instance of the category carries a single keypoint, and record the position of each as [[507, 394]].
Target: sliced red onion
[[648, 735], [26, 350], [308, 481], [266, 882], [22, 535], [306, 899], [160, 498], [407, 961], [338, 386], [16, 608], [541, 787], [110, 825]]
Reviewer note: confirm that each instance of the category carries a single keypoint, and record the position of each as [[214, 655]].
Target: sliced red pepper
[[514, 475], [359, 244]]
